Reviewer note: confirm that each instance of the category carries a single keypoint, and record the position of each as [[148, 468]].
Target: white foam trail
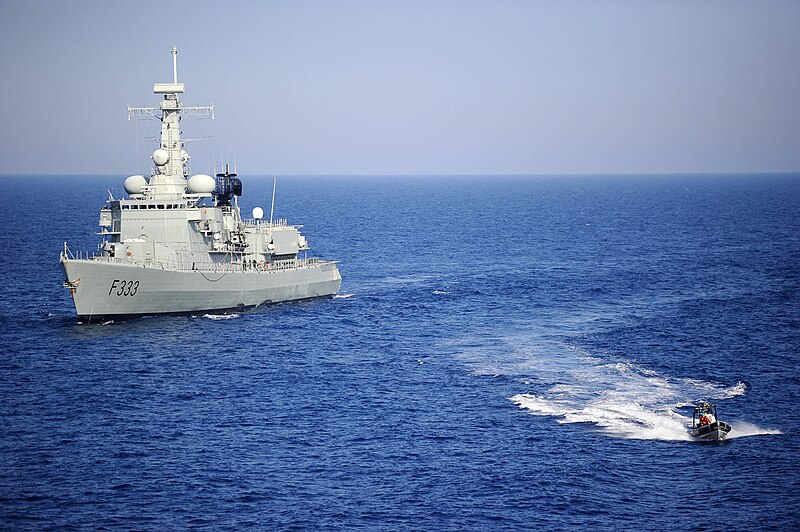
[[625, 401], [342, 296], [734, 391], [440, 292], [626, 420], [221, 316], [740, 429], [620, 398]]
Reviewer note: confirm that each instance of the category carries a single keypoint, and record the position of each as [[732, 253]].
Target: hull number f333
[[121, 287]]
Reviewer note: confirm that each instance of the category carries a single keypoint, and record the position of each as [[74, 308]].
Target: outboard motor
[[228, 185]]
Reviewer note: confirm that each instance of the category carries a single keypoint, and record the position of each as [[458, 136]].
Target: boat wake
[[617, 397], [742, 428], [626, 420], [627, 401], [342, 296], [217, 317]]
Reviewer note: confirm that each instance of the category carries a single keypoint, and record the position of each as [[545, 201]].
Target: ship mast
[[174, 64], [168, 179]]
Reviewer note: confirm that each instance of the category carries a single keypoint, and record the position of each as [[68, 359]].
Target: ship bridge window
[[125, 207], [151, 206], [169, 205], [161, 206]]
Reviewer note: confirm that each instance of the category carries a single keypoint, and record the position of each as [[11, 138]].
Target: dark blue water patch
[[611, 301]]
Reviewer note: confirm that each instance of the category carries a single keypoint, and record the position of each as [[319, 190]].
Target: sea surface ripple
[[505, 353]]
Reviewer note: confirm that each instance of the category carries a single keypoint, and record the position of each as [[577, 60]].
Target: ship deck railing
[[266, 224], [176, 264]]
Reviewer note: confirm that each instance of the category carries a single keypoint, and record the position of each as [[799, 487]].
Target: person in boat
[[706, 415]]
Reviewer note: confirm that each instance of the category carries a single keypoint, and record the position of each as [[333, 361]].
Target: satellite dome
[[135, 184], [258, 213], [160, 157], [201, 184]]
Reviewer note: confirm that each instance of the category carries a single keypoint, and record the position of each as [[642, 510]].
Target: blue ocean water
[[505, 353]]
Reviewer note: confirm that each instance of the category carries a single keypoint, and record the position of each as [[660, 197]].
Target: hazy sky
[[407, 87]]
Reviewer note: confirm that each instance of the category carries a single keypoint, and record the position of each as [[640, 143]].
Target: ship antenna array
[[272, 209], [186, 111]]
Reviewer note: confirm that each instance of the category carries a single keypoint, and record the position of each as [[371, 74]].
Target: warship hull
[[104, 290]]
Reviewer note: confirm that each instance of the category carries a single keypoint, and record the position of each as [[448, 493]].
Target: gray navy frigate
[[178, 243]]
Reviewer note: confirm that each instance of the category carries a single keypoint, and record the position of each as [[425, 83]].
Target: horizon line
[[565, 174]]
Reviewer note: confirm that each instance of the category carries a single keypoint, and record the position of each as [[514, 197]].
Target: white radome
[[201, 184], [135, 184], [258, 213], [160, 157]]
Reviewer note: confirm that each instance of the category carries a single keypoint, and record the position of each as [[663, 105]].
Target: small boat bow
[[706, 426]]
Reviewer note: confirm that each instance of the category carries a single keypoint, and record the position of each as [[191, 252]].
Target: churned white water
[[615, 396], [626, 400]]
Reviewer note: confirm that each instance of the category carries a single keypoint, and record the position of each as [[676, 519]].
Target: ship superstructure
[[178, 243]]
